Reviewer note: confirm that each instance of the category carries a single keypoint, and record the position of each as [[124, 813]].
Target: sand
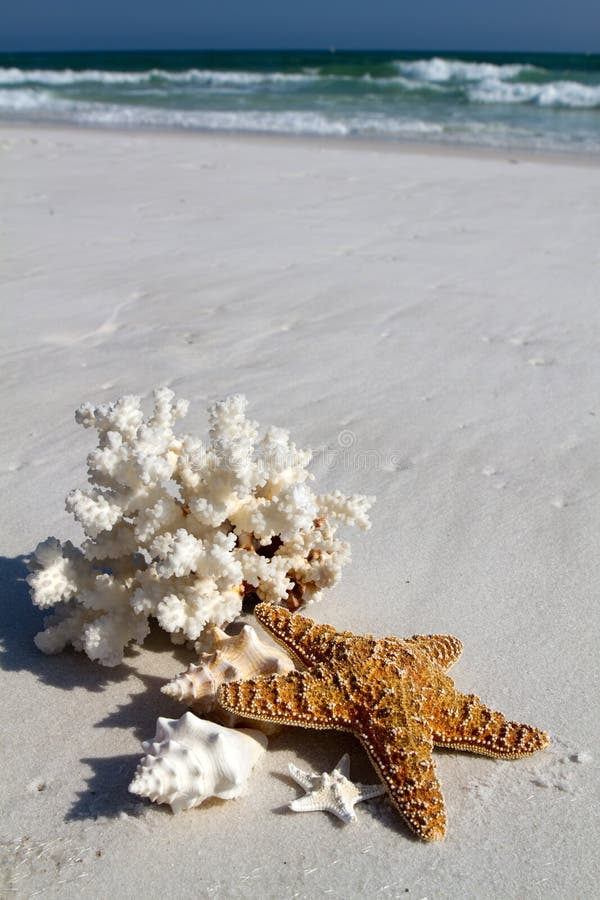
[[429, 323]]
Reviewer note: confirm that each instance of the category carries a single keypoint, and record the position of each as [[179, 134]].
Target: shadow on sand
[[20, 621], [106, 793], [319, 751]]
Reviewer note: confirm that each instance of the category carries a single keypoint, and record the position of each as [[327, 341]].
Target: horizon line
[[329, 50]]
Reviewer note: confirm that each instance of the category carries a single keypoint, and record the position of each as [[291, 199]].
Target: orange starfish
[[393, 695]]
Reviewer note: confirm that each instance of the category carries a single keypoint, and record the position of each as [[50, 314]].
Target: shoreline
[[378, 145]]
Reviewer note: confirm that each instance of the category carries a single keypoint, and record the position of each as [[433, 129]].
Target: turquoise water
[[530, 101]]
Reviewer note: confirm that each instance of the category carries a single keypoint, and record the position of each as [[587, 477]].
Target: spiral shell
[[233, 657], [190, 759]]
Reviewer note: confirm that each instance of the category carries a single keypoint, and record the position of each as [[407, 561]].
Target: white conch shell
[[233, 658], [191, 759]]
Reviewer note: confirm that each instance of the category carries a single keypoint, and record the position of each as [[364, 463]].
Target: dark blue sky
[[544, 25]]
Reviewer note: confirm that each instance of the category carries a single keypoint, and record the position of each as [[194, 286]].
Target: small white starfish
[[332, 791]]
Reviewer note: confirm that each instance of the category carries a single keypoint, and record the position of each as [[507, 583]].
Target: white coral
[[181, 530]]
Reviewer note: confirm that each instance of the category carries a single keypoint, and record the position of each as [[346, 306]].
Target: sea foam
[[439, 70], [15, 76], [464, 101], [566, 94]]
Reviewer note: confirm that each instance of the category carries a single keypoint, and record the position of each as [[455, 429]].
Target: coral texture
[[182, 530], [190, 759]]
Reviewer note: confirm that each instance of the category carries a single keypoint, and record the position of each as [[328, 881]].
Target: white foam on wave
[[32, 103], [407, 84], [284, 122], [273, 122], [478, 82], [23, 99], [59, 77], [438, 70], [65, 77], [565, 94], [491, 83]]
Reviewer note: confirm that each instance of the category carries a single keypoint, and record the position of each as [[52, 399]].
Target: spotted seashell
[[190, 759], [233, 657]]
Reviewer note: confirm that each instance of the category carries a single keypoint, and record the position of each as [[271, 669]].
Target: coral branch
[[182, 531]]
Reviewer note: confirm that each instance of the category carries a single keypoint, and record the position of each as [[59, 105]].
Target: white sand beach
[[429, 323]]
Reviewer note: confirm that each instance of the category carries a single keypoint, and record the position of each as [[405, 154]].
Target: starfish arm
[[402, 757], [368, 791], [343, 765], [465, 723], [304, 779], [325, 801], [308, 642], [309, 803], [312, 699], [443, 649]]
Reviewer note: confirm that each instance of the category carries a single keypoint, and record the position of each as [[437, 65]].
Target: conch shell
[[232, 658], [190, 759]]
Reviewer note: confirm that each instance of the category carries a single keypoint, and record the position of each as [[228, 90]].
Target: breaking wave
[[67, 77], [480, 82], [533, 101], [566, 94], [443, 70]]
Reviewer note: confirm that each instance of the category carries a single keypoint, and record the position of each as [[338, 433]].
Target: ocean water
[[530, 101]]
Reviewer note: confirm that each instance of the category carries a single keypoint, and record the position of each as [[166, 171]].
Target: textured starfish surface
[[393, 694], [332, 791]]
